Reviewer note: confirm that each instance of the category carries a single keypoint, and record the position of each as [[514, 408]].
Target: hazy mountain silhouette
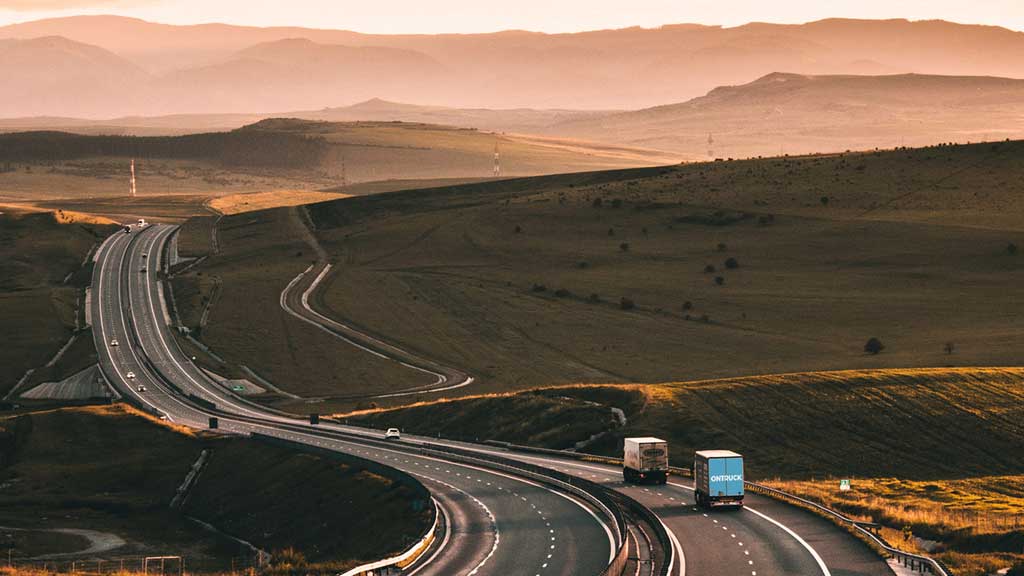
[[299, 73], [57, 75], [607, 69], [794, 113]]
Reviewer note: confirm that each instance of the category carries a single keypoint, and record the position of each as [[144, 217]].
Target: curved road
[[500, 524]]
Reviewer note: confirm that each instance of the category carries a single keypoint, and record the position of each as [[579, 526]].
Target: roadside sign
[[844, 485]]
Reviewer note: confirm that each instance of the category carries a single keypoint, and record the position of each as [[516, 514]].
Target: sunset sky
[[433, 16]]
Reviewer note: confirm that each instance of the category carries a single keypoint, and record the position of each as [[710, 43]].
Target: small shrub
[[873, 346], [687, 306], [624, 246], [611, 231], [539, 288], [1011, 249], [626, 303], [732, 263], [709, 269], [722, 247], [949, 348], [519, 229], [582, 264], [824, 200], [597, 203], [644, 230], [562, 293], [704, 319], [617, 203], [594, 297], [719, 280]]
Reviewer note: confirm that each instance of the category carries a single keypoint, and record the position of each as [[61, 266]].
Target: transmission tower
[[131, 189], [497, 161]]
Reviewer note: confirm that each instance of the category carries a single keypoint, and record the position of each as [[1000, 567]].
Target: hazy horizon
[[469, 17]]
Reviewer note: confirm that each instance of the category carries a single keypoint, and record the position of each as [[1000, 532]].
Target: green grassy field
[[937, 450], [114, 470], [37, 306], [483, 278], [602, 277], [259, 254]]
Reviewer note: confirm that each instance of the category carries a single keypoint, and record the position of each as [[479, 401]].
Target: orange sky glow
[[466, 16]]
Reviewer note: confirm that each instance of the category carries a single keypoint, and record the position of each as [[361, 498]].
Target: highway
[[502, 523]]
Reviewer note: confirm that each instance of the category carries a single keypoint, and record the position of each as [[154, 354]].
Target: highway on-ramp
[[505, 524]]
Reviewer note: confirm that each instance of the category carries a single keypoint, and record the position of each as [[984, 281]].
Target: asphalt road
[[500, 524]]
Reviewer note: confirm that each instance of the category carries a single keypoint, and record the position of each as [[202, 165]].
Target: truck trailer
[[718, 478], [645, 460]]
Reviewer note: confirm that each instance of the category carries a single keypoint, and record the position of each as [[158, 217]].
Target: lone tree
[[874, 346], [624, 246], [732, 264], [824, 200], [687, 306]]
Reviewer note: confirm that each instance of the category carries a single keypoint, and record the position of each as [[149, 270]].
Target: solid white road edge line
[[447, 532], [814, 553]]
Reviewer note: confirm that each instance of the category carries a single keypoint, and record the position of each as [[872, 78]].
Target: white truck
[[645, 460]]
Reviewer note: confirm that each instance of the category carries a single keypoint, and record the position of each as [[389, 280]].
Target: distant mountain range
[[795, 114], [106, 66], [779, 113]]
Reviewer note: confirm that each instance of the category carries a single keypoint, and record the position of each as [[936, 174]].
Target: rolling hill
[[606, 69], [699, 271], [799, 114]]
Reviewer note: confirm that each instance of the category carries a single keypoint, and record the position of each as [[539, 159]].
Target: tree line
[[238, 148]]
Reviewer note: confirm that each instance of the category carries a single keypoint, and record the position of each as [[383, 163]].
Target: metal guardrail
[[581, 456], [591, 491], [923, 564], [407, 556]]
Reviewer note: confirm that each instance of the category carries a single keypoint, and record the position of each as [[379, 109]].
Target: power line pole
[[711, 146], [497, 160], [131, 191]]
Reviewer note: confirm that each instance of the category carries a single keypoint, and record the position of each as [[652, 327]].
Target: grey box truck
[[718, 478], [645, 460]]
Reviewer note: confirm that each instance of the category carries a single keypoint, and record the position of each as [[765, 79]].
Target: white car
[[130, 375], [141, 388], [114, 342], [392, 434]]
